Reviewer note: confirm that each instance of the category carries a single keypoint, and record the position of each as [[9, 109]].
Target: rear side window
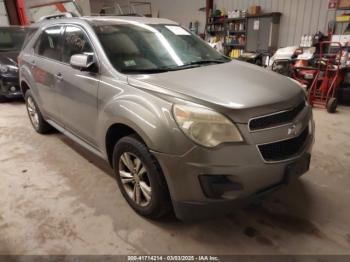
[[75, 42], [50, 43]]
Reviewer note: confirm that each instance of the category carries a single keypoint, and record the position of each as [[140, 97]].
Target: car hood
[[234, 85], [9, 58]]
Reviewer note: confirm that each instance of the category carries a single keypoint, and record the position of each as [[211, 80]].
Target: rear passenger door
[[77, 90], [48, 55]]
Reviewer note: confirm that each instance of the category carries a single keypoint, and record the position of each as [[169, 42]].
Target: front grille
[[285, 149], [276, 119]]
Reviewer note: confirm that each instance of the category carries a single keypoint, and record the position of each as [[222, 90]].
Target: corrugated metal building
[[299, 17], [170, 9]]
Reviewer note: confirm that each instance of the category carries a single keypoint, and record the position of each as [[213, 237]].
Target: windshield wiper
[[176, 68], [198, 63], [202, 62], [146, 71]]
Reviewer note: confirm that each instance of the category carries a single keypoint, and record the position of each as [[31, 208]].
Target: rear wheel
[[332, 105], [35, 116], [140, 179]]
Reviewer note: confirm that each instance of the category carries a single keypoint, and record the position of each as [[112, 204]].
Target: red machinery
[[303, 71], [16, 12], [21, 11], [327, 78]]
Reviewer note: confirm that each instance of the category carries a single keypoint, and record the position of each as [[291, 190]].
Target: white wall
[[181, 11], [3, 14], [85, 6], [97, 5]]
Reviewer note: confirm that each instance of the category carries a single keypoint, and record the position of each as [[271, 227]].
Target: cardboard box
[[333, 4], [255, 10], [344, 4]]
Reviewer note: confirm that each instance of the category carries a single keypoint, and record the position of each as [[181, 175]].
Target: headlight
[[3, 69], [304, 87], [204, 126], [8, 68], [306, 98]]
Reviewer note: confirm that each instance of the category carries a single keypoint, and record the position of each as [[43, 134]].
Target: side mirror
[[82, 61]]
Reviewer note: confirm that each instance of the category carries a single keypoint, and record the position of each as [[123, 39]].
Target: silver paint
[[85, 105]]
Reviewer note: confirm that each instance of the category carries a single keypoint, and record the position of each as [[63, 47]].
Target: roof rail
[[56, 16], [135, 15]]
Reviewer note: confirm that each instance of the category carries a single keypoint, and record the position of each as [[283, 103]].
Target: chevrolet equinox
[[184, 127]]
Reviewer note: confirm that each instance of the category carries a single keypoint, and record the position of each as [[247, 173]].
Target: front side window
[[140, 48], [50, 43], [75, 42]]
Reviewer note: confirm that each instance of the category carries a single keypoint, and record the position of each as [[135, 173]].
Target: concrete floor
[[56, 198]]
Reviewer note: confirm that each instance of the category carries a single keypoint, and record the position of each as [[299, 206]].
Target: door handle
[[59, 77]]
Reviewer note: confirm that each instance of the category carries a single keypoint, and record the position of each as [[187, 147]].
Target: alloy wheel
[[33, 112], [135, 180]]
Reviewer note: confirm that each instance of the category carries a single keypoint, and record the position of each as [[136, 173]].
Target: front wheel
[[140, 178], [332, 105], [35, 116]]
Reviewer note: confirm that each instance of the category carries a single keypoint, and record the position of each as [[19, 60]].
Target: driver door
[[77, 90]]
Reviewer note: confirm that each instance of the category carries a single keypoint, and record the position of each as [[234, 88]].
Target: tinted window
[[50, 44], [75, 42]]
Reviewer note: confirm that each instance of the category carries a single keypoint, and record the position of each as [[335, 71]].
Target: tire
[[332, 105], [35, 116], [152, 180], [2, 99]]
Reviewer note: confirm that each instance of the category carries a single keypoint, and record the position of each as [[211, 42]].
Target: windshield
[[138, 48], [12, 39]]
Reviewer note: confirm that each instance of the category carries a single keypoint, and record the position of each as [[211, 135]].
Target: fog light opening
[[220, 186]]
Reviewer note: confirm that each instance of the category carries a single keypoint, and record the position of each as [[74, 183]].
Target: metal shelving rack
[[244, 35], [229, 46], [215, 22], [225, 32], [343, 24]]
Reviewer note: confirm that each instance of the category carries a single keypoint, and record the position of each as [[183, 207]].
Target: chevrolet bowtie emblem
[[294, 129]]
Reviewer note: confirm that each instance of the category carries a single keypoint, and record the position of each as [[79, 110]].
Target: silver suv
[[184, 127]]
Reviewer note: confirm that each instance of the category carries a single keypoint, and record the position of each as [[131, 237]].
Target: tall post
[[209, 6]]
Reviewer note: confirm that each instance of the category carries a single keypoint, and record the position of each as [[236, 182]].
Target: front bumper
[[9, 87], [241, 164]]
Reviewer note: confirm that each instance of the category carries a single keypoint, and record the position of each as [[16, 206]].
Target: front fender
[[27, 77], [148, 115]]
